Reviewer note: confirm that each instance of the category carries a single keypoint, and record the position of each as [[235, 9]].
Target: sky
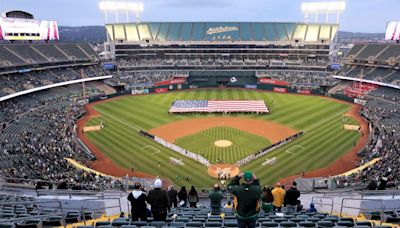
[[360, 15]]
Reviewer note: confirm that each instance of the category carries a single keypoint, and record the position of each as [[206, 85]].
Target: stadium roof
[[221, 31]]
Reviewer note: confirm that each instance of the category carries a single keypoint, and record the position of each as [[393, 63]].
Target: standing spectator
[[279, 196], [215, 196], [382, 183], [247, 196], [172, 194], [158, 199], [267, 199], [291, 198], [193, 197], [182, 196], [372, 185], [138, 199]]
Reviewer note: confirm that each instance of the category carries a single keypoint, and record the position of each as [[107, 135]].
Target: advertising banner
[[171, 82], [280, 90], [161, 90], [272, 81], [250, 86]]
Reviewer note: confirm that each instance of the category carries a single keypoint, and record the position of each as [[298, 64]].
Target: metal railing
[[314, 198], [361, 209], [102, 209]]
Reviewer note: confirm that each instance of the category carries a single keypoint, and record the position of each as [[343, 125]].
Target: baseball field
[[220, 138]]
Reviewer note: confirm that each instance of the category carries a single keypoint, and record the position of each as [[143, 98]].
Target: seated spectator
[[228, 207], [312, 208]]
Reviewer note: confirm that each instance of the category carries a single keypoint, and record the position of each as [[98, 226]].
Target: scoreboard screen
[[27, 29], [393, 30]]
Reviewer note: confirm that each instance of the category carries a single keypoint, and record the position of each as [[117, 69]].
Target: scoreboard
[[27, 29]]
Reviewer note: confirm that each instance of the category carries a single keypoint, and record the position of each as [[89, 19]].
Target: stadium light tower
[[324, 8], [117, 7]]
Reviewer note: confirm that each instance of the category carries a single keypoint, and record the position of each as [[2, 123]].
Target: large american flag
[[223, 106]]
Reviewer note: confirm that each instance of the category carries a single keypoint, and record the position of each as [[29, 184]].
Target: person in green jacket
[[215, 196], [246, 198]]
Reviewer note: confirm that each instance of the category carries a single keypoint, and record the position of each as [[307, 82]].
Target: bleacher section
[[375, 62], [15, 56]]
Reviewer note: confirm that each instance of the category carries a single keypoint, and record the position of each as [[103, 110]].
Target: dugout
[[221, 78]]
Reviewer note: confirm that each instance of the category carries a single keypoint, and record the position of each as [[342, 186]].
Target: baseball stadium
[[88, 129]]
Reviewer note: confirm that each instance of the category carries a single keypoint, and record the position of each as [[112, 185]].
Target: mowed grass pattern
[[324, 140], [202, 143]]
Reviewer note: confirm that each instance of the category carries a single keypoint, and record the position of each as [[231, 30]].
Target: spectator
[[158, 199], [291, 197], [228, 208], [382, 183], [215, 196], [172, 194], [372, 185], [182, 196], [267, 199], [247, 196], [312, 208], [193, 197], [279, 196], [138, 199]]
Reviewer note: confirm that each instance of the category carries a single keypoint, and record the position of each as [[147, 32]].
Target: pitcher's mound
[[223, 143], [223, 170]]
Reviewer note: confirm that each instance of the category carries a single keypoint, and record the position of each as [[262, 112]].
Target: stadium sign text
[[221, 29]]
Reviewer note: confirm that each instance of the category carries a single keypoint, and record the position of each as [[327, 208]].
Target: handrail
[[321, 203], [82, 208]]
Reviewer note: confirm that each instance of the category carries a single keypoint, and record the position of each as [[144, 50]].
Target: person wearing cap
[[138, 199], [215, 197], [279, 196], [291, 197], [246, 198], [158, 199]]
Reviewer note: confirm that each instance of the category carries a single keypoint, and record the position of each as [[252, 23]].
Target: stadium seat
[[345, 223], [212, 224], [363, 223], [287, 224], [307, 224], [325, 224], [194, 224], [230, 223], [139, 223], [269, 224], [102, 223], [128, 226], [7, 225], [158, 223], [177, 224]]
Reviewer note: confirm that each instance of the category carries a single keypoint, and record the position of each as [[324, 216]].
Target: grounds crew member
[[246, 198]]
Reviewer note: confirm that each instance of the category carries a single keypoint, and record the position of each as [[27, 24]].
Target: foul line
[[126, 123]]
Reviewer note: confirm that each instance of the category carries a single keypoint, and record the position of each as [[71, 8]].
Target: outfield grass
[[243, 144], [323, 142]]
